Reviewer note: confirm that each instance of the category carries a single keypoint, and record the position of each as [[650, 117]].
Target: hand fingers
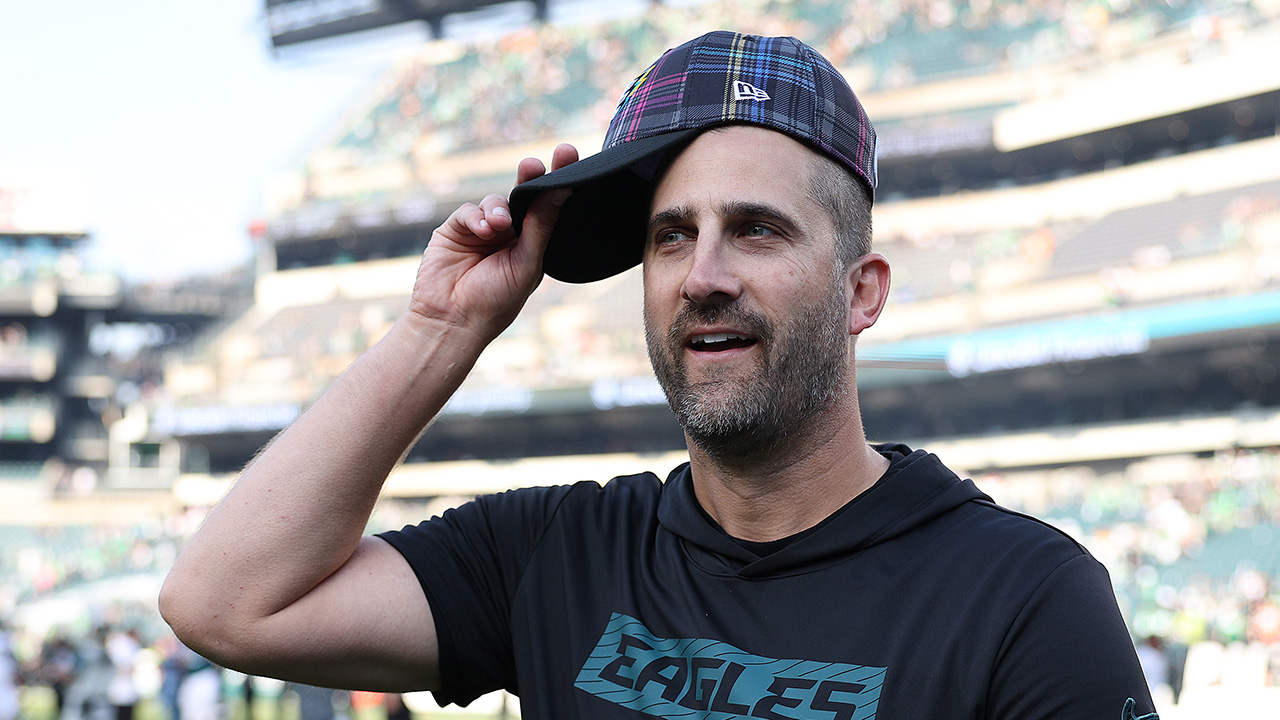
[[535, 232], [483, 221], [497, 213], [564, 154], [466, 220], [528, 169], [493, 214]]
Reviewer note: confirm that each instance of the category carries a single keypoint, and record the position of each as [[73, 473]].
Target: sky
[[177, 113]]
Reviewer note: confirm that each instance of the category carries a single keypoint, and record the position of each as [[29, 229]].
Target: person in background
[[314, 703], [1154, 658], [173, 669], [395, 707], [200, 693], [87, 694], [58, 663], [123, 648], [10, 682]]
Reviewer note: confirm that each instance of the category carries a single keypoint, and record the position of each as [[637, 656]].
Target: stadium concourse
[[1081, 205]]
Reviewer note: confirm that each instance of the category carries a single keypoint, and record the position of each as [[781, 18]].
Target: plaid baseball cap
[[717, 79]]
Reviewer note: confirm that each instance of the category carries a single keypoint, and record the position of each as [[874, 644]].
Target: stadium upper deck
[[450, 123], [1019, 246], [1193, 228]]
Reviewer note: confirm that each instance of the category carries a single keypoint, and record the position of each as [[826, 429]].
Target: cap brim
[[601, 228]]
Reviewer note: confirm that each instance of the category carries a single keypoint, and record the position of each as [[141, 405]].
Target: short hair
[[848, 201]]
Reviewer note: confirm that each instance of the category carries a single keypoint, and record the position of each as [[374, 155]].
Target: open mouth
[[719, 342]]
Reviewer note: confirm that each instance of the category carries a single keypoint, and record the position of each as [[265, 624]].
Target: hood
[[915, 489]]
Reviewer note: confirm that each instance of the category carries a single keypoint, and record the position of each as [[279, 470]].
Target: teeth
[[716, 337]]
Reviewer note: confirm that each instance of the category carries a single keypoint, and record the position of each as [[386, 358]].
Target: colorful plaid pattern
[[726, 77], [719, 78]]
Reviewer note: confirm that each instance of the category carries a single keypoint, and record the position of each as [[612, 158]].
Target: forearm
[[298, 511], [277, 580]]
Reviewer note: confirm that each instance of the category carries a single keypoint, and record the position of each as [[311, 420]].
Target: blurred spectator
[[314, 703], [87, 694], [250, 692], [1155, 665], [200, 691], [9, 683], [174, 658], [123, 649], [1266, 622], [58, 664], [393, 703]]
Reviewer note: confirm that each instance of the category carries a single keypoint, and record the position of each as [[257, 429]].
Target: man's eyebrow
[[734, 209], [762, 211], [746, 209], [670, 216]]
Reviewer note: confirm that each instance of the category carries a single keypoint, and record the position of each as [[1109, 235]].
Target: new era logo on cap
[[747, 91]]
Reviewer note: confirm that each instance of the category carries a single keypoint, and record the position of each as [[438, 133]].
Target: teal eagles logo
[[698, 679]]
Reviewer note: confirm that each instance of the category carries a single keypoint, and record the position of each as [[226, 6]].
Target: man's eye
[[670, 236], [757, 230]]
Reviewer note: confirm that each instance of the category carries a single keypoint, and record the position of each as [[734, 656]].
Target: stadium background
[[1080, 201]]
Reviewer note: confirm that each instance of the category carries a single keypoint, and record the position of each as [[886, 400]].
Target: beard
[[737, 415]]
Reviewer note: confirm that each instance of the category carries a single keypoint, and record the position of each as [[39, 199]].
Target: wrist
[[442, 338]]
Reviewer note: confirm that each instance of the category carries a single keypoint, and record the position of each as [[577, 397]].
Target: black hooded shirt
[[920, 598]]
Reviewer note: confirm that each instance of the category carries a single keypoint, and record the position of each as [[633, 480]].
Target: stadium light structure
[[298, 21]]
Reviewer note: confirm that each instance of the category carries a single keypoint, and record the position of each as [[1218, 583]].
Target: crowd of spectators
[[560, 79], [38, 561], [106, 671], [1192, 545]]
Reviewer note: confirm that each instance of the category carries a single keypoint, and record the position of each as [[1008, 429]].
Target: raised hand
[[280, 579], [478, 270]]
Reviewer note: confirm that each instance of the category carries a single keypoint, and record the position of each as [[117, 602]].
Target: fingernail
[[501, 212], [558, 197]]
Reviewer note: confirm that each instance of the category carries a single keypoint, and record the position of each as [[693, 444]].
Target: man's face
[[746, 315]]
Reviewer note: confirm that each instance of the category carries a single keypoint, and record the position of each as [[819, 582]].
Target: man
[[790, 570]]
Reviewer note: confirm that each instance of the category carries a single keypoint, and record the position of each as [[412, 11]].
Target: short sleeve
[[470, 561], [1068, 654]]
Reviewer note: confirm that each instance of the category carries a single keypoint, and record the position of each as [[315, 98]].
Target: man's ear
[[868, 288]]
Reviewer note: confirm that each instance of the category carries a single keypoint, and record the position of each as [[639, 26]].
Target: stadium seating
[[551, 79], [1144, 251]]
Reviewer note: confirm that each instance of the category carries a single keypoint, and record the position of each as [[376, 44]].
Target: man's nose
[[712, 273]]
